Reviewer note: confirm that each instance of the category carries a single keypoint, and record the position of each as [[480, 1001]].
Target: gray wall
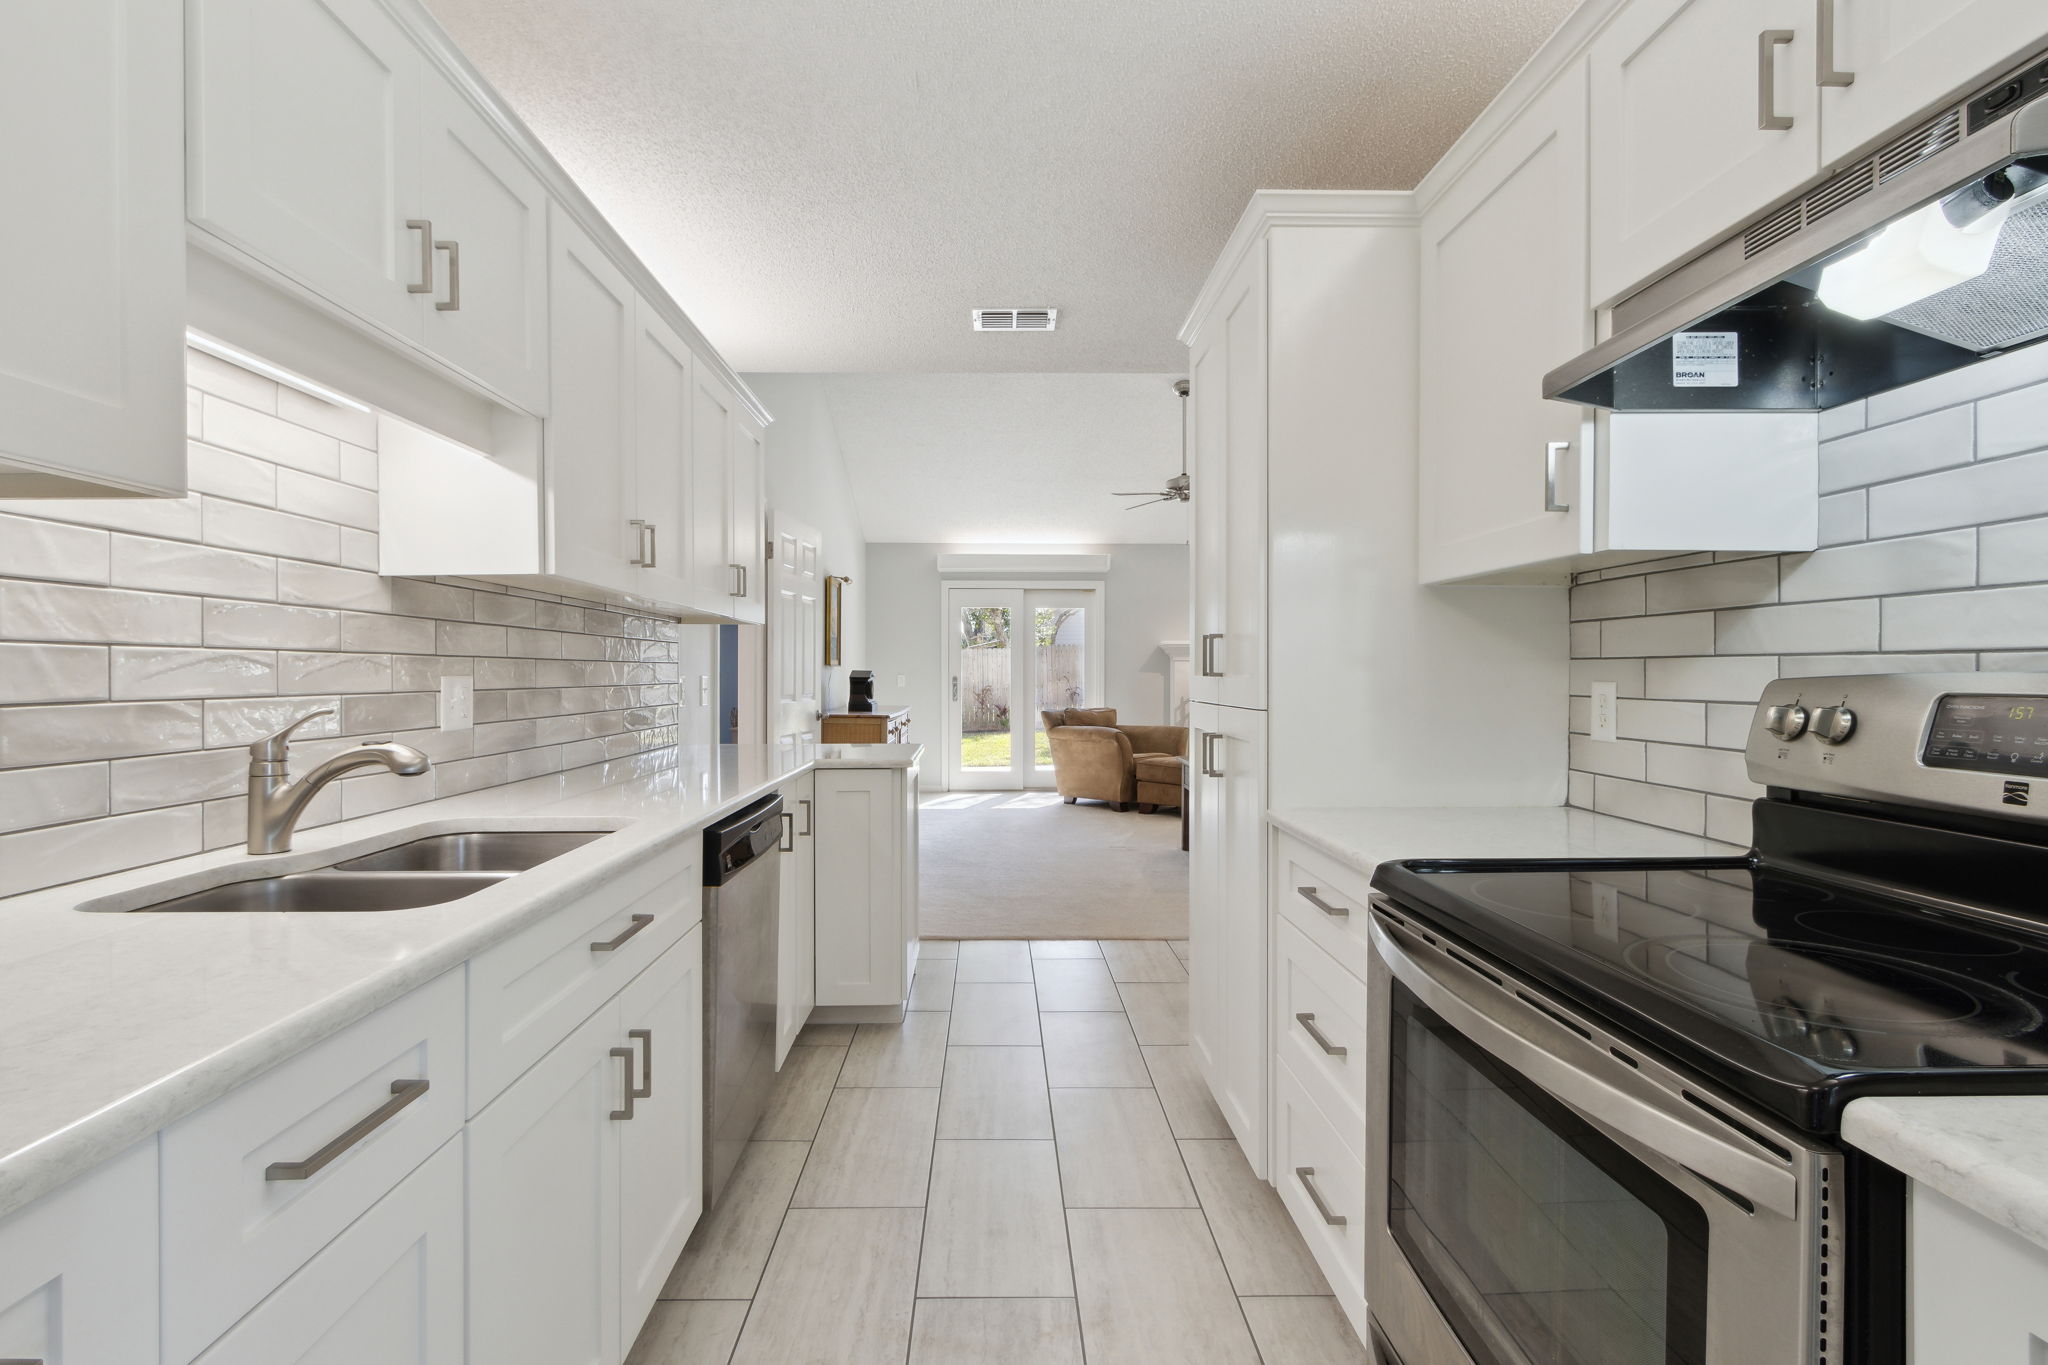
[[807, 480], [1147, 591], [1934, 531]]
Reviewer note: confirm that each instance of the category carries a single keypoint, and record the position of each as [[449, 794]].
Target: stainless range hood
[[1926, 256]]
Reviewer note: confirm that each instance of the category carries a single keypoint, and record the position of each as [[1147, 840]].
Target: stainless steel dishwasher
[[742, 899]]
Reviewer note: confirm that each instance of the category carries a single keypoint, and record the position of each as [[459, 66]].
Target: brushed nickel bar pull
[[618, 940], [740, 577], [788, 842], [1209, 768], [1308, 893], [1767, 44], [453, 303], [639, 559], [1550, 458], [402, 1094], [625, 1054], [1824, 43], [805, 802], [653, 545], [1307, 1176], [425, 228], [1209, 669], [1308, 1026], [645, 1037]]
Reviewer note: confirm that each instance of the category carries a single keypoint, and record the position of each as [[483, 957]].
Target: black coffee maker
[[860, 690]]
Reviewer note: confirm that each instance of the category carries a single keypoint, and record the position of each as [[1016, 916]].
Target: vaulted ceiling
[[831, 185]]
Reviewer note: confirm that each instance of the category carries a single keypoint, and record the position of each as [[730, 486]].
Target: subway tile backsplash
[[145, 642], [1934, 558]]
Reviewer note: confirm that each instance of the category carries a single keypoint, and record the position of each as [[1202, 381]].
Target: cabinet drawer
[[1311, 1162], [527, 993], [1326, 901], [389, 1289], [237, 1219], [1319, 1024]]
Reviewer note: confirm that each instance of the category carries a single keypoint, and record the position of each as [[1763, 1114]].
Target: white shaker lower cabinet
[[1976, 1289], [1227, 917], [797, 924], [553, 1277], [389, 1289], [78, 1269], [866, 882]]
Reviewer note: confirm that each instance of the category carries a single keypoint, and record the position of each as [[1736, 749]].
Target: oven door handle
[[1765, 1183]]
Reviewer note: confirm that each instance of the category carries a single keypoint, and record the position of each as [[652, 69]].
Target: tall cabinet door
[[303, 140], [544, 1208], [1679, 153], [589, 436], [1905, 55], [1227, 378], [664, 377], [1506, 243], [78, 1269], [661, 1148], [92, 249], [1227, 922], [488, 314]]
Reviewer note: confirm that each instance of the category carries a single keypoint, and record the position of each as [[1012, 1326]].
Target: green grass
[[993, 750]]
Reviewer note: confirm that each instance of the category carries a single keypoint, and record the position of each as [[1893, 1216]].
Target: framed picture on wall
[[835, 620]]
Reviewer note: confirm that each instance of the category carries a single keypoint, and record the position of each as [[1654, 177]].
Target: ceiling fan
[[1177, 488]]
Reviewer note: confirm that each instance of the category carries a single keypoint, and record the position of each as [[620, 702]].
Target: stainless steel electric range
[[1607, 1127]]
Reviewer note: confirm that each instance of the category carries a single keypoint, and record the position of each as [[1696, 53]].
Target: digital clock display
[[1989, 734]]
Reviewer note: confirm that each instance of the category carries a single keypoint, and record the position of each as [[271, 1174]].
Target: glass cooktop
[[1798, 993]]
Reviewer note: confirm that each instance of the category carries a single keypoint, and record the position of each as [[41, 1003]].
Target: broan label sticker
[[1705, 360]]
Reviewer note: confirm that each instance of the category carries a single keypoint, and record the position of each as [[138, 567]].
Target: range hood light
[[1915, 258]]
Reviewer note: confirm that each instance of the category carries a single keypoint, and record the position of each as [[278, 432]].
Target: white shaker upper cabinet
[[589, 429], [747, 495], [92, 250], [304, 146], [1503, 301], [661, 511], [714, 570], [488, 313], [1899, 57], [1704, 112]]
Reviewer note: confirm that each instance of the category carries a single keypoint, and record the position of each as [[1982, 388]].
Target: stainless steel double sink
[[430, 871]]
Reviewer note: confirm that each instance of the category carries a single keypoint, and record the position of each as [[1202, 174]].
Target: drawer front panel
[[527, 993], [1310, 1162], [1326, 901], [389, 1289], [243, 1206], [1319, 1022]]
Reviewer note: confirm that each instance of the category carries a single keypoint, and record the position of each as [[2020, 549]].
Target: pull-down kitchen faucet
[[276, 802]]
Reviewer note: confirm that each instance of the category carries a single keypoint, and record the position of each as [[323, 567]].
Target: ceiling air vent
[[1016, 319]]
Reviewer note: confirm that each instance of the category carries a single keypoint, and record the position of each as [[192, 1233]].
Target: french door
[[1011, 652]]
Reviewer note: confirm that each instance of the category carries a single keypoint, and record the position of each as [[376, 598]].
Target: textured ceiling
[[1008, 459], [832, 186]]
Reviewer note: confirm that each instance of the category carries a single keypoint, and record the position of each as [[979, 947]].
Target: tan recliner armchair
[[1094, 757]]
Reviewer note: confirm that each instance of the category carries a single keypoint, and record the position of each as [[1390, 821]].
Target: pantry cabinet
[[92, 249], [78, 1269], [1892, 58], [1227, 429], [1227, 916], [1704, 112], [796, 926]]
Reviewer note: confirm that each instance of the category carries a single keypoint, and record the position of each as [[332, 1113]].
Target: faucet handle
[[272, 748]]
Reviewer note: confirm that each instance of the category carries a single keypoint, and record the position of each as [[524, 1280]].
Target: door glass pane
[[1543, 1242], [985, 687], [1059, 668]]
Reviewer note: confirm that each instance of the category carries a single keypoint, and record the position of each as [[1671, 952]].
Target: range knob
[[1786, 722], [1834, 724]]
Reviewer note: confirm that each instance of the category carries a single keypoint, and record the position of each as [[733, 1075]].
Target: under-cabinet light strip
[[199, 341]]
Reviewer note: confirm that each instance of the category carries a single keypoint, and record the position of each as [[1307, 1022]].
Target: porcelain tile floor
[[1027, 1171]]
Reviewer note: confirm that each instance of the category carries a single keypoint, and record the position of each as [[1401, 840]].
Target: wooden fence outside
[[1061, 671]]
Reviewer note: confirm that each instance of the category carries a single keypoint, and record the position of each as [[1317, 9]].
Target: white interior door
[[795, 631], [1015, 650]]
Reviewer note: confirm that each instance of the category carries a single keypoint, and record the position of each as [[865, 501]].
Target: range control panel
[[1958, 741]]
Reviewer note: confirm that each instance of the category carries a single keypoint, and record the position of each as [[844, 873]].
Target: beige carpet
[[1027, 865]]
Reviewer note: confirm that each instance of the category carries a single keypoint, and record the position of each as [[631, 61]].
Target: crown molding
[[440, 49], [1271, 209]]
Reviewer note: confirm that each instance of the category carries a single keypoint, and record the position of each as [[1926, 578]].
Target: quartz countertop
[[114, 1025], [1989, 1153], [1366, 836]]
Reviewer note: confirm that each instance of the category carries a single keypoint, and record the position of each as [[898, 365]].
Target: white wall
[[807, 480], [1147, 591]]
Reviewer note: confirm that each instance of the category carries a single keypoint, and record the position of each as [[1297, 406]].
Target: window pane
[[1059, 667], [984, 687]]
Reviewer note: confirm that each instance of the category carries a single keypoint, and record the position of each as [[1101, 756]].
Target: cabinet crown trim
[[1271, 209]]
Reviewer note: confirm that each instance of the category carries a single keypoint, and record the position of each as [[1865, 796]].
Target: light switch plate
[[458, 703], [1603, 711], [899, 682]]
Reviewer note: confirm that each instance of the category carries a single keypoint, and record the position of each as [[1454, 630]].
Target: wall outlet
[[703, 689], [458, 703], [1603, 711], [900, 682]]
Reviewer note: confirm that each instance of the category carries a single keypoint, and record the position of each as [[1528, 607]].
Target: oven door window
[[1542, 1241]]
